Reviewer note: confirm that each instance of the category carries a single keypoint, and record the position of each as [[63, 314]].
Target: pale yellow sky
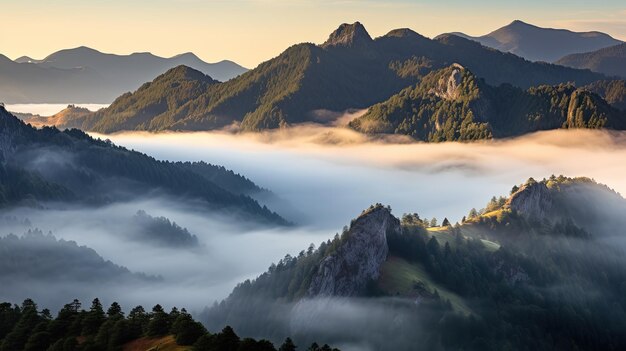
[[252, 31]]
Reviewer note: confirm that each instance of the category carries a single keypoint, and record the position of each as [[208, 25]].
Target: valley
[[358, 188]]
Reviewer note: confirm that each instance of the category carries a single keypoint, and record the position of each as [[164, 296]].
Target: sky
[[252, 31]]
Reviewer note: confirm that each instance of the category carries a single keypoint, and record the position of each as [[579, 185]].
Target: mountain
[[26, 59], [542, 44], [501, 278], [85, 75], [610, 60], [350, 70], [454, 104], [613, 91], [48, 165], [45, 259], [63, 117]]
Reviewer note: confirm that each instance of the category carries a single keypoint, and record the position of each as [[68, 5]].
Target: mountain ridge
[[541, 44], [87, 75], [609, 60], [453, 104], [289, 88]]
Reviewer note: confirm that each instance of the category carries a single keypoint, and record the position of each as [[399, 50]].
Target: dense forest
[[42, 258], [505, 278], [26, 327], [47, 164], [160, 231], [336, 75], [453, 104]]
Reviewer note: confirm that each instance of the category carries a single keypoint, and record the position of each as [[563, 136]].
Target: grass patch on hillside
[[165, 343], [472, 230], [443, 235], [402, 278]]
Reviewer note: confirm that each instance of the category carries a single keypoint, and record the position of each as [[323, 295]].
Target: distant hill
[[350, 70], [542, 44], [453, 104], [63, 117], [48, 165], [85, 75], [613, 91], [610, 61], [500, 278]]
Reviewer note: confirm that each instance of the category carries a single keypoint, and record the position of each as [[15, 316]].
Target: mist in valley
[[320, 178], [328, 175]]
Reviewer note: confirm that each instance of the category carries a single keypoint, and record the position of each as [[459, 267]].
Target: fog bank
[[330, 174]]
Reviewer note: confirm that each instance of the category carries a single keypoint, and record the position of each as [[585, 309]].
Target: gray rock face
[[358, 260], [448, 89], [349, 35], [533, 200]]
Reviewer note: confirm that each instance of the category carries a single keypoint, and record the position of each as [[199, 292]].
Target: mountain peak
[[26, 59], [403, 33], [349, 35], [520, 23], [360, 256], [183, 72]]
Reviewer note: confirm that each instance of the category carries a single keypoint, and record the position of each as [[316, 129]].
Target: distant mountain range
[[453, 104], [349, 70], [610, 60], [85, 75], [542, 44]]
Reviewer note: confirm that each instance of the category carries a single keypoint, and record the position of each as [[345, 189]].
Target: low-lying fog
[[329, 175], [324, 177]]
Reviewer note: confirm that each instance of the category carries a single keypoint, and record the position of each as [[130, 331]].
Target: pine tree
[[288, 345]]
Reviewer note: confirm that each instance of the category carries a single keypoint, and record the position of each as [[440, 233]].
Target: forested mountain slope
[[542, 267], [48, 165], [350, 70], [454, 104]]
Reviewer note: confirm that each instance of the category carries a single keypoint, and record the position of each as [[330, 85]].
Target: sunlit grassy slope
[[166, 343], [444, 234], [402, 278]]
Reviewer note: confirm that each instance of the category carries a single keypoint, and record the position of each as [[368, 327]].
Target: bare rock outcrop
[[349, 35], [358, 260], [533, 200]]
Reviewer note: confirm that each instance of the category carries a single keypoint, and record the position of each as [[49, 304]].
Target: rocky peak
[[359, 258], [349, 35], [533, 200], [448, 86]]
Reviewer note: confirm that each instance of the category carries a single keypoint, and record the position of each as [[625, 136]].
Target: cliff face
[[358, 260], [533, 200]]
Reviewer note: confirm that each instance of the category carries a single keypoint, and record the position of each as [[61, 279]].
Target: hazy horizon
[[251, 38]]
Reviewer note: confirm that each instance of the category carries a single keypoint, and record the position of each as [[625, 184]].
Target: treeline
[[452, 104], [26, 327], [100, 172], [548, 287]]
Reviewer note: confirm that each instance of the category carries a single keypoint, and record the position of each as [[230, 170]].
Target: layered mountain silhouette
[[349, 70], [542, 44], [85, 75], [453, 104], [610, 61]]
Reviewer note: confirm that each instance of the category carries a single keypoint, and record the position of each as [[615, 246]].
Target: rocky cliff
[[358, 260], [533, 200]]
